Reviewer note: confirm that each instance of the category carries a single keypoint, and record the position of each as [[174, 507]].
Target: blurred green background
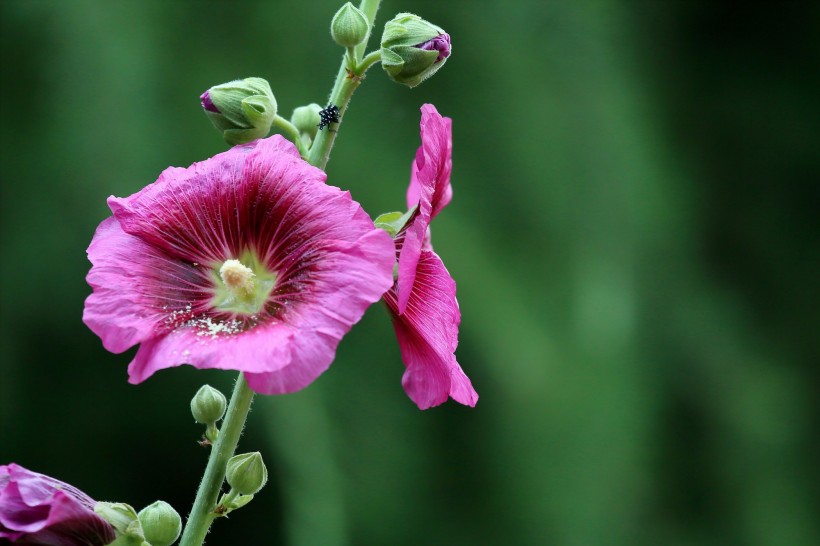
[[634, 234]]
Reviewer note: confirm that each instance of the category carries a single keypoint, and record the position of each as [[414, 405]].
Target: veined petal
[[410, 243], [137, 288], [428, 335], [352, 279], [433, 163], [206, 343], [429, 191]]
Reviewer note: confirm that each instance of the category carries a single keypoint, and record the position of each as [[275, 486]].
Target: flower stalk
[[348, 80], [292, 133], [202, 513]]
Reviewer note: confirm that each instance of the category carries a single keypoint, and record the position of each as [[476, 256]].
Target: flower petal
[[205, 344], [428, 335], [434, 161], [212, 209], [41, 510], [353, 277], [429, 191], [410, 243], [134, 285]]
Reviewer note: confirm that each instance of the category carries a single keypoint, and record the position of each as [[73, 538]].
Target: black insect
[[328, 115]]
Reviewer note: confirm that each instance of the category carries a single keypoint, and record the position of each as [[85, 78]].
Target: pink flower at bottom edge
[[37, 509], [246, 261], [422, 301]]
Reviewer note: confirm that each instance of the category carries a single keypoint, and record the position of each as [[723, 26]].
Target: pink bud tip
[[207, 104], [440, 43]]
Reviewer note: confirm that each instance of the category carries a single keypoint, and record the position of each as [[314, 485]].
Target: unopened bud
[[246, 473], [413, 49], [161, 524], [123, 518], [306, 119], [208, 405], [243, 110], [349, 26]]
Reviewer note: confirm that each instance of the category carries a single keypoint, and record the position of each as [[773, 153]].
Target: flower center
[[238, 278], [242, 286]]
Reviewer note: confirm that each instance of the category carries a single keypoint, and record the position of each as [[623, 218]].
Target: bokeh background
[[634, 234]]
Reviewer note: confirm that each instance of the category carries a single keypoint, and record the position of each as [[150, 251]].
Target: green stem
[[346, 83], [372, 58], [290, 131], [227, 499], [202, 514], [369, 8], [352, 60]]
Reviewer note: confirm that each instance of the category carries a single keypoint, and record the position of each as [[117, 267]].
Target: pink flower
[[37, 509], [246, 261], [422, 302]]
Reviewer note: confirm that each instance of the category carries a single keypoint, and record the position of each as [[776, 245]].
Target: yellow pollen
[[238, 278]]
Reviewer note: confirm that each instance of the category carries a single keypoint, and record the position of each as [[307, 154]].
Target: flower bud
[[208, 405], [306, 119], [160, 523], [242, 109], [413, 49], [123, 518], [246, 473], [349, 26]]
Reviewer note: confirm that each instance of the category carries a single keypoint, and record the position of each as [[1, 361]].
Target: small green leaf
[[240, 501], [393, 222]]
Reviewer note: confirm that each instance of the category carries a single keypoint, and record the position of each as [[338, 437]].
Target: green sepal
[[123, 518], [240, 501], [129, 541], [220, 122], [417, 65], [390, 59], [257, 110], [393, 222], [408, 29], [243, 136]]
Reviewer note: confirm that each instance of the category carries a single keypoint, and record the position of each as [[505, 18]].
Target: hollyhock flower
[[423, 302], [37, 509], [246, 261]]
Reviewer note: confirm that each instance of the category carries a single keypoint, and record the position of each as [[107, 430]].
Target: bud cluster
[[157, 524]]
